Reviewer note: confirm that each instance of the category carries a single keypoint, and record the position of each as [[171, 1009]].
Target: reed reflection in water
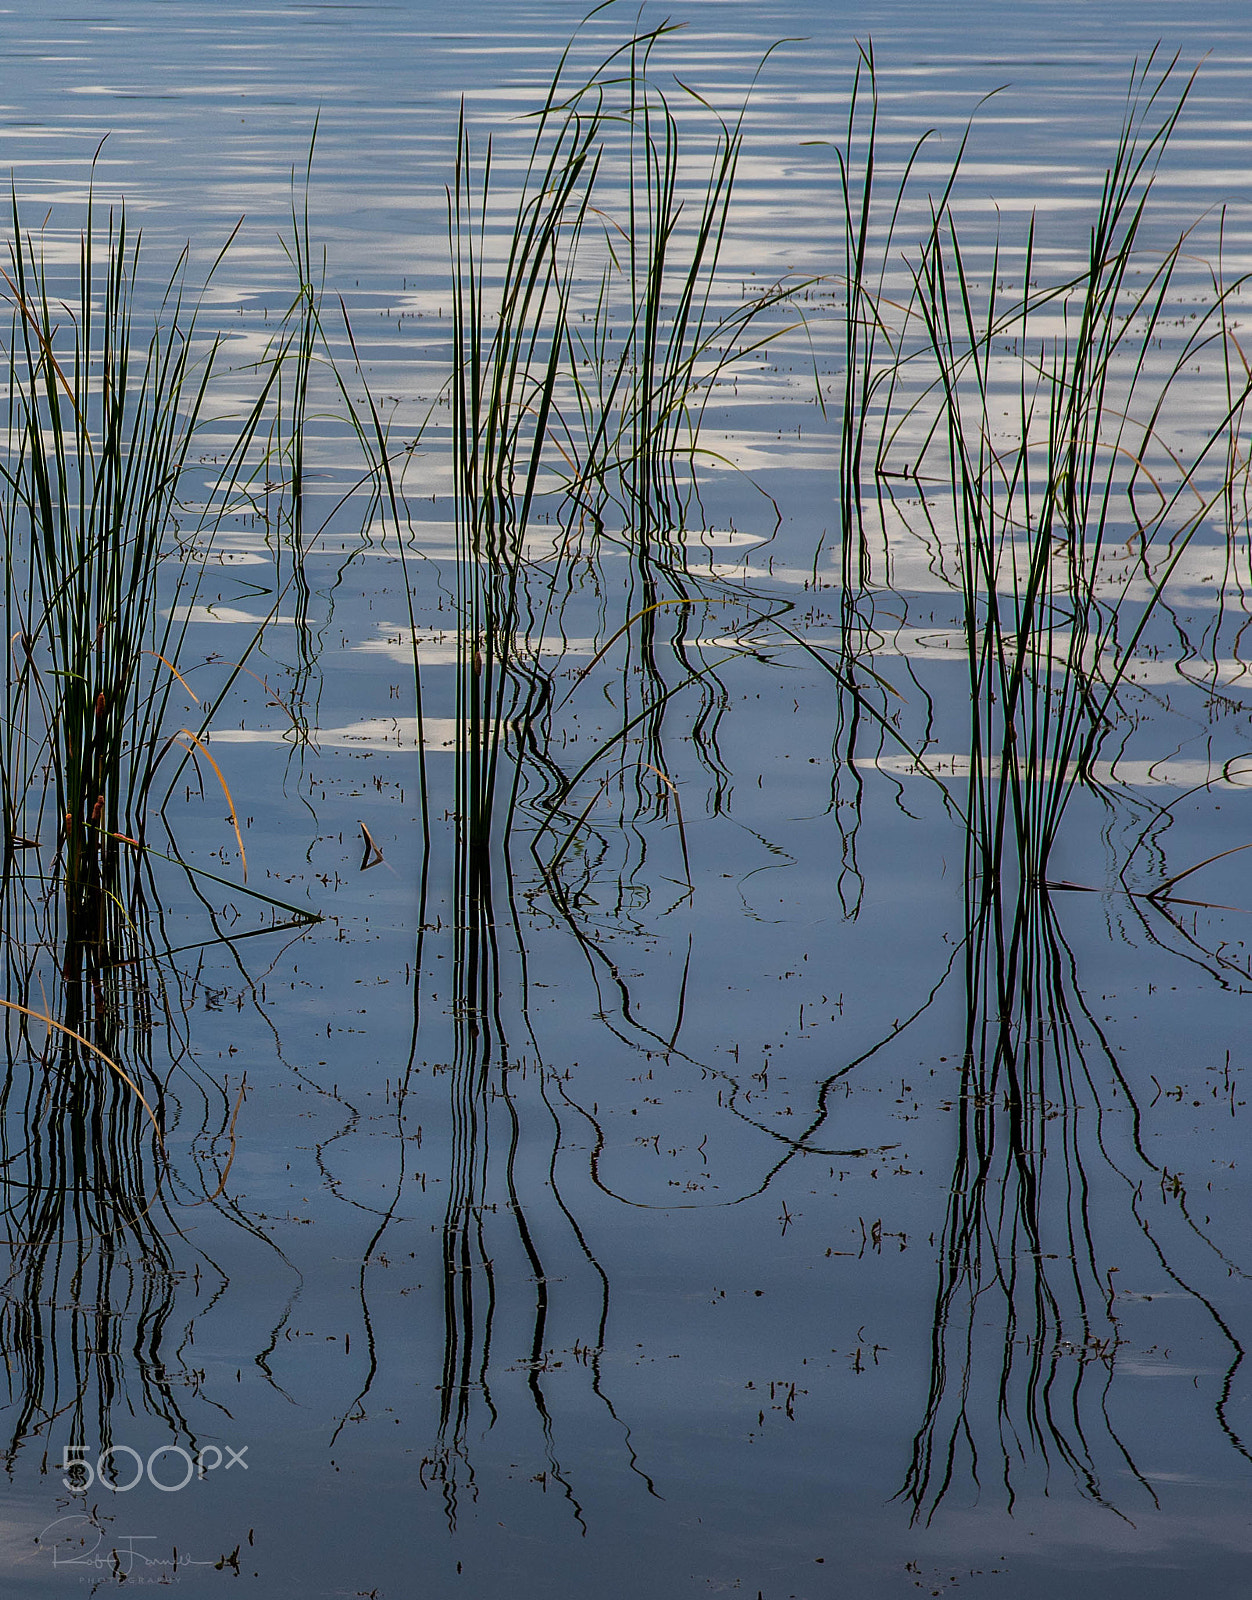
[[1051, 1186]]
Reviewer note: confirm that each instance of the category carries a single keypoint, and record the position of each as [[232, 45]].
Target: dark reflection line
[[89, 1189], [797, 1145], [1025, 1071], [593, 1356]]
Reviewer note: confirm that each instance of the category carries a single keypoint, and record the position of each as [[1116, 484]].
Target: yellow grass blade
[[234, 820], [112, 1065], [176, 673]]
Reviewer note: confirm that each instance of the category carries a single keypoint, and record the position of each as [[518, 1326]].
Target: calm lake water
[[681, 1232]]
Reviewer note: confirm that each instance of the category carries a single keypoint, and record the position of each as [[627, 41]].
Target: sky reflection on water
[[754, 1216]]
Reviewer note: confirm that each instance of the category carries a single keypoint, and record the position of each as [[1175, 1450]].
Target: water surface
[[666, 1234]]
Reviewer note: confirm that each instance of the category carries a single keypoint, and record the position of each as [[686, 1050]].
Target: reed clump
[[100, 415], [590, 327], [1068, 532], [1068, 524], [107, 513], [590, 330]]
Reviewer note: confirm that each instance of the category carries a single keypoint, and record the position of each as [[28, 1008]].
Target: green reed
[[293, 355], [884, 356], [110, 389], [880, 333], [1067, 536], [1088, 482], [100, 420], [587, 338], [587, 335]]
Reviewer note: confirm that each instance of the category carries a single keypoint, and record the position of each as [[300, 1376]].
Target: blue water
[[632, 1280]]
